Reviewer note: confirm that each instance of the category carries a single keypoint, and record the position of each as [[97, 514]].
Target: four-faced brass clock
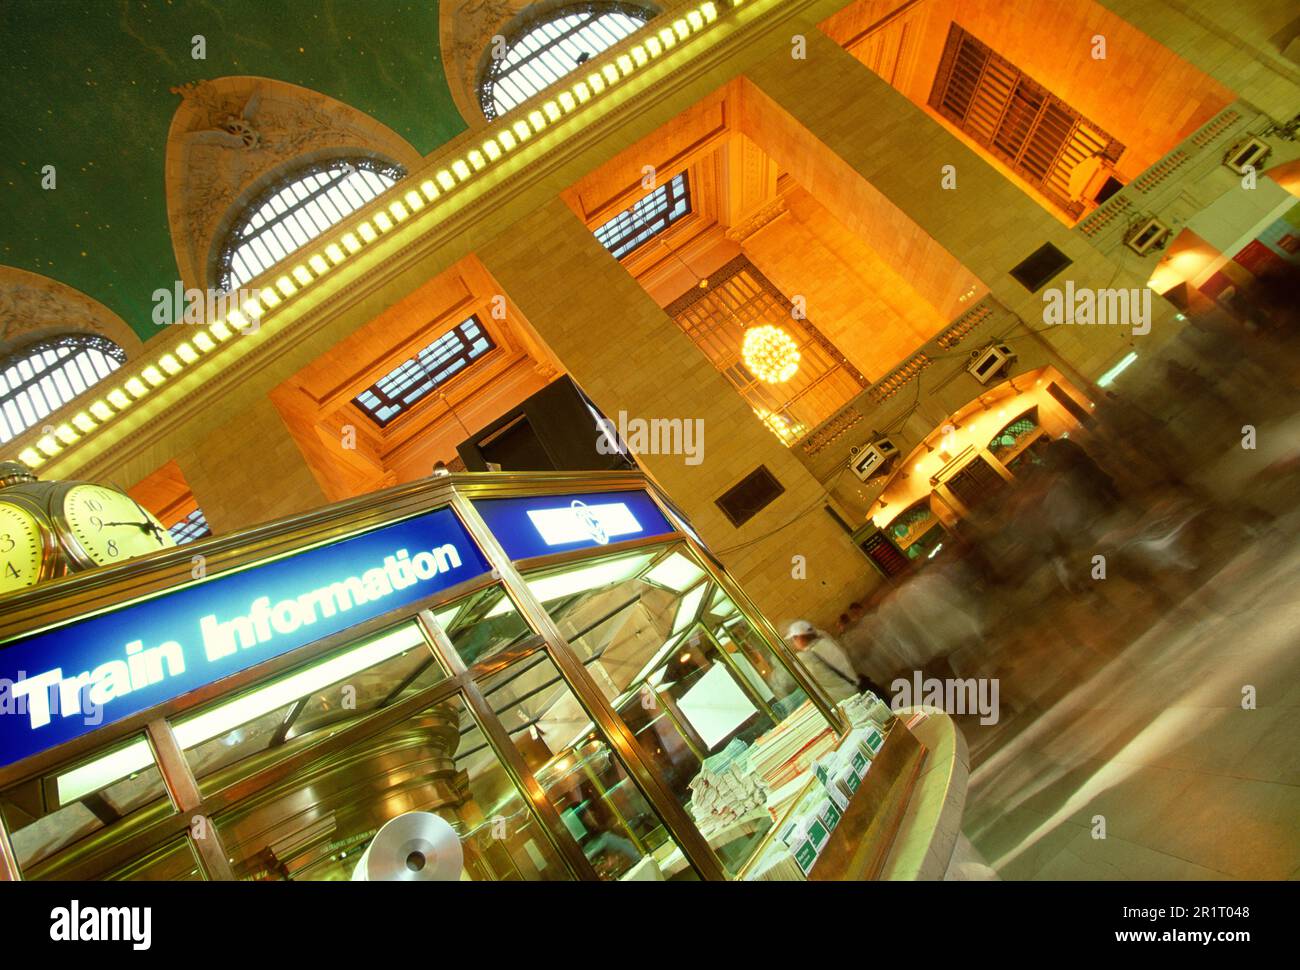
[[51, 528]]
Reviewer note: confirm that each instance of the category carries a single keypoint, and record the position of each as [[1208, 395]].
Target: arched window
[[295, 210], [541, 52], [41, 377]]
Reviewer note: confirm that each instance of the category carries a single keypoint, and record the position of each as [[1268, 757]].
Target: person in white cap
[[825, 659]]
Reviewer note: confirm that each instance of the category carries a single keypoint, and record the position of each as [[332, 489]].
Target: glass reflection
[[620, 834], [723, 721], [47, 814], [174, 862], [318, 824], [482, 624], [227, 741]]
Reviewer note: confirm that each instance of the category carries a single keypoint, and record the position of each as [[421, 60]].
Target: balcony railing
[[977, 321]]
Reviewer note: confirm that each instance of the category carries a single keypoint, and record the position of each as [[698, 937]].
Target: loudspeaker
[[872, 458]]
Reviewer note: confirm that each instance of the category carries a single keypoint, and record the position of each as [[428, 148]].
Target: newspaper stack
[[719, 797], [792, 747], [780, 799]]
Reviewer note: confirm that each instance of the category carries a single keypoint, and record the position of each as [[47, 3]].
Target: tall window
[[424, 373], [297, 209], [543, 51], [739, 300], [1017, 119], [649, 217], [42, 377]]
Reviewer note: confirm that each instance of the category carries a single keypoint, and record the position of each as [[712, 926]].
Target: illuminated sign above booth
[[63, 683], [543, 524]]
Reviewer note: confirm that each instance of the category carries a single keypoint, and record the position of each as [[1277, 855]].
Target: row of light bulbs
[[365, 232]]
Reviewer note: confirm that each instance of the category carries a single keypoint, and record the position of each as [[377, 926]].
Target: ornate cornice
[[443, 233], [759, 219], [34, 306]]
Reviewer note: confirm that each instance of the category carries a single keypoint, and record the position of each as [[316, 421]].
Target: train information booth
[[551, 663]]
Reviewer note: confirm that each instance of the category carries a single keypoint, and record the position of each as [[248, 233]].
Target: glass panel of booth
[[239, 735], [173, 862], [319, 823], [73, 805], [482, 624], [711, 706], [600, 805]]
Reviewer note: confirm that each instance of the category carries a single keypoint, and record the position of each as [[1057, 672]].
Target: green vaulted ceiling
[[85, 86]]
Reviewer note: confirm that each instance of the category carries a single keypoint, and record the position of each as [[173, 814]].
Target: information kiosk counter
[[551, 663]]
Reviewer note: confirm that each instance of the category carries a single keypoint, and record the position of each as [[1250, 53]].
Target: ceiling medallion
[[770, 354]]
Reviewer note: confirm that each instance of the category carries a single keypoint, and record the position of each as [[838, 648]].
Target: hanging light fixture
[[770, 354]]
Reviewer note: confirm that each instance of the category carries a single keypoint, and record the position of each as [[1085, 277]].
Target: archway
[[969, 462]]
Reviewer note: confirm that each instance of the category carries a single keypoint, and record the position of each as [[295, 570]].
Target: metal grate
[[194, 526], [545, 51], [977, 484], [296, 210], [649, 217], [424, 373], [1040, 136], [42, 377], [1010, 436], [753, 493], [739, 297]]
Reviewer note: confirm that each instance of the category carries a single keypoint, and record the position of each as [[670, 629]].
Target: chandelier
[[770, 354]]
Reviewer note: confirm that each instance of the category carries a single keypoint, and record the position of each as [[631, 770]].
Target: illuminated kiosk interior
[[550, 662]]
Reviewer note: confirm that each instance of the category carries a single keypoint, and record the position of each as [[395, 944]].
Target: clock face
[[110, 526], [21, 549]]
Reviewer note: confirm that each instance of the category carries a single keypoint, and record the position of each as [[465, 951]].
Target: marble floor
[[1161, 711], [1141, 733]]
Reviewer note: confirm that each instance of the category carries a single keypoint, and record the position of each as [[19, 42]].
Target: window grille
[[297, 209], [739, 297], [424, 373], [1041, 137], [191, 528], [547, 50], [42, 377], [647, 218]]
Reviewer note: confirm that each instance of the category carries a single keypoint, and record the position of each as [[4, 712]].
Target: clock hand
[[143, 526], [150, 525]]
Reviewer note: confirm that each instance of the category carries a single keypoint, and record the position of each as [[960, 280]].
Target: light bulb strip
[[326, 254]]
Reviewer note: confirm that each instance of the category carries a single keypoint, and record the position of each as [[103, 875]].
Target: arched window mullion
[[351, 194], [297, 209], [541, 54], [275, 248], [43, 376], [329, 212]]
